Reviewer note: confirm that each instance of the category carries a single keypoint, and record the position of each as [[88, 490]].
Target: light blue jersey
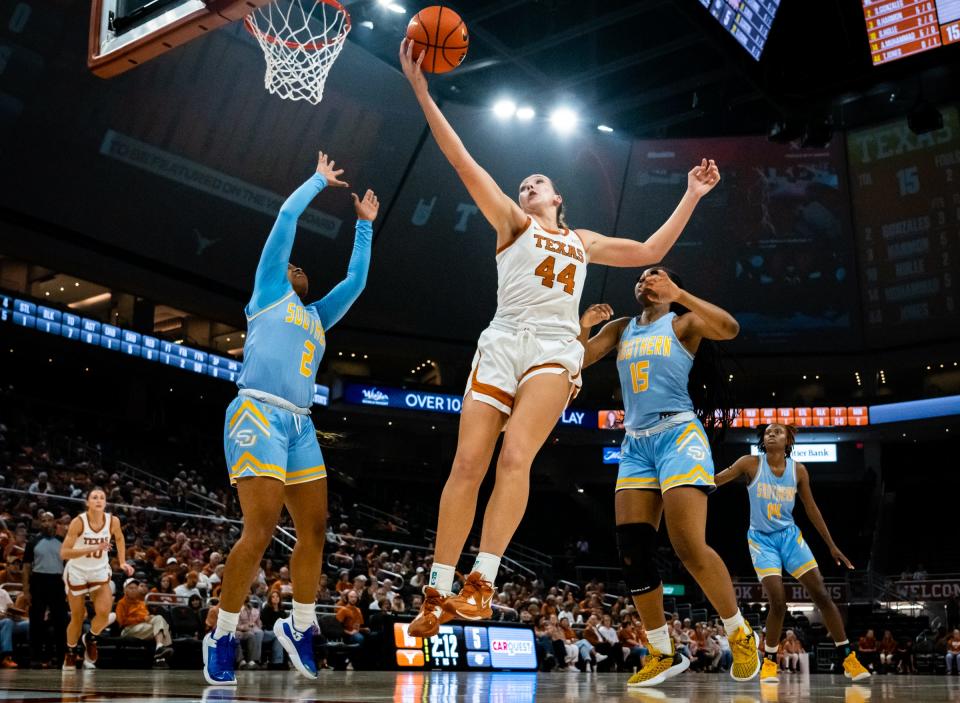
[[775, 541], [772, 497], [267, 431], [654, 368], [285, 337], [665, 446]]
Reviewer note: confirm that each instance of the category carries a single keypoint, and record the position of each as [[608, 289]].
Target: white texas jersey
[[90, 536], [540, 277]]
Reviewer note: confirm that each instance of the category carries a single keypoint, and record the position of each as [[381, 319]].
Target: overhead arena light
[[526, 113], [564, 120], [604, 128], [394, 7], [504, 109]]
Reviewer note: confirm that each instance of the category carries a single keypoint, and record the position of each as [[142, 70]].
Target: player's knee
[[514, 462], [257, 534], [819, 595], [468, 469], [637, 545], [691, 550], [313, 534], [777, 605]]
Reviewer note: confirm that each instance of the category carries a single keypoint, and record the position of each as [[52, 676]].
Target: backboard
[[127, 33]]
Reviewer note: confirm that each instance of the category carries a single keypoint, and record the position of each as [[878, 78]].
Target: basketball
[[440, 32]]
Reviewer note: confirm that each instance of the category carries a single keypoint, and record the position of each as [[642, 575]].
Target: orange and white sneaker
[[70, 659], [473, 601], [432, 614]]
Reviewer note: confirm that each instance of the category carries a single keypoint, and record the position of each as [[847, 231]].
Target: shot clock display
[[466, 647]]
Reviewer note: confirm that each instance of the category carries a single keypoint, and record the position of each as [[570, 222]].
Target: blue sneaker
[[299, 645], [219, 656]]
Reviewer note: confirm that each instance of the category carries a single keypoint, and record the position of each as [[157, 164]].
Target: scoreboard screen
[[60, 323], [906, 212], [748, 21], [466, 647], [900, 28]]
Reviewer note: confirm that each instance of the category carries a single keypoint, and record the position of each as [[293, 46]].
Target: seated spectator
[[283, 583], [351, 618], [13, 623], [633, 639], [135, 621], [610, 646], [888, 650], [190, 587], [905, 659], [269, 614], [249, 634], [867, 650], [210, 623], [789, 652], [164, 591], [564, 643], [726, 655], [953, 653], [585, 645]]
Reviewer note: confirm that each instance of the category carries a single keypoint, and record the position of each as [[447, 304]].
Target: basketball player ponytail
[[708, 385], [561, 219]]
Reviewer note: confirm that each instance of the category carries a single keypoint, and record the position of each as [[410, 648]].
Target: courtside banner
[[809, 453]]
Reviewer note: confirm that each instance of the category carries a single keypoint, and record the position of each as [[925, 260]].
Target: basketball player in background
[[269, 441], [666, 467], [85, 549], [528, 360], [774, 479]]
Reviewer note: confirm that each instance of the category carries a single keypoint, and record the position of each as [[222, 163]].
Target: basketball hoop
[[300, 40]]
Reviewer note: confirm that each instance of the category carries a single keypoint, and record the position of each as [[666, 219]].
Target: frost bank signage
[[384, 397]]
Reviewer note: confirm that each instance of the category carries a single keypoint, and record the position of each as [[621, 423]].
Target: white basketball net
[[300, 40]]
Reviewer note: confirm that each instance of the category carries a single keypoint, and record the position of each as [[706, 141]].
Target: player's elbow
[[729, 330]]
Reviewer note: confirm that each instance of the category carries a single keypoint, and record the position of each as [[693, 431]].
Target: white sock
[[733, 623], [304, 615], [441, 578], [488, 565], [226, 623], [661, 640], [770, 650]]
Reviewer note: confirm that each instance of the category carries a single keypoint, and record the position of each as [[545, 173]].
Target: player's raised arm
[[503, 214], [334, 305], [606, 339], [617, 251], [704, 321], [271, 281]]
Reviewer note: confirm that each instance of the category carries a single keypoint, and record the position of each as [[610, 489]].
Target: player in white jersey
[[528, 360], [87, 571], [774, 481]]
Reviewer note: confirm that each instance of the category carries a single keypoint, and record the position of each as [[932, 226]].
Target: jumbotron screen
[[748, 21], [901, 28]]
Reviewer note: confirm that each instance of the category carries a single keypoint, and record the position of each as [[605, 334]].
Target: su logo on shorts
[[247, 424]]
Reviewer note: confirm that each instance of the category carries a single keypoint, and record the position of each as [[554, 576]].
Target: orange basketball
[[440, 32]]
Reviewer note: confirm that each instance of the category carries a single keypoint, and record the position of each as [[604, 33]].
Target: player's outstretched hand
[[411, 65], [367, 208], [595, 314], [127, 568], [839, 557], [703, 178], [328, 170]]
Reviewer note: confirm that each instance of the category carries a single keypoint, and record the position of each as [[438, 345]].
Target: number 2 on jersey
[[640, 376], [307, 358], [566, 278]]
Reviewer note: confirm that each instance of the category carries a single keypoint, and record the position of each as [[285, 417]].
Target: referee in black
[[43, 588]]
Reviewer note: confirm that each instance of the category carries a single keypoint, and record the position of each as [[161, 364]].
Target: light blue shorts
[[678, 456], [260, 439], [772, 552]]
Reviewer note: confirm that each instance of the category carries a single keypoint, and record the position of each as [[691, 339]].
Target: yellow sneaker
[[746, 655], [768, 673], [658, 667], [853, 669]]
